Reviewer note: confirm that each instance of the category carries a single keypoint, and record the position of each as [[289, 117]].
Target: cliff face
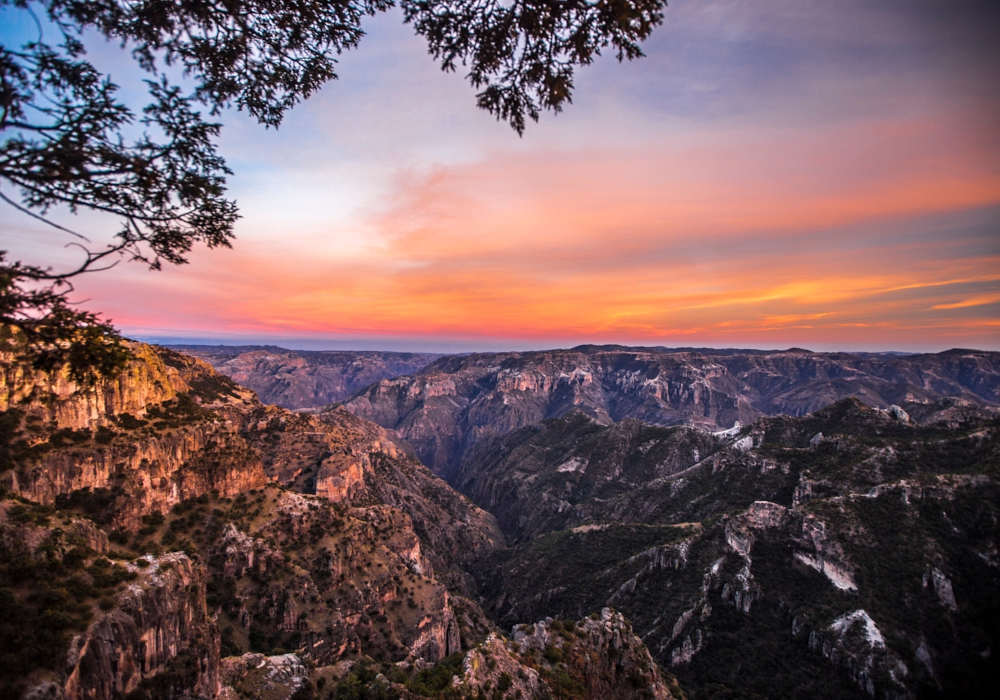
[[320, 536], [251, 675], [456, 401], [79, 626], [597, 657], [161, 623], [304, 379], [860, 563], [54, 398], [151, 437], [328, 581], [149, 474]]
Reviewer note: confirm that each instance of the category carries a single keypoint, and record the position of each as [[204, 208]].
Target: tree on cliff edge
[[67, 137]]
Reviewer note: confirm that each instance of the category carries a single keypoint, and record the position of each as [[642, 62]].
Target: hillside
[[848, 553], [164, 534], [455, 402], [304, 378]]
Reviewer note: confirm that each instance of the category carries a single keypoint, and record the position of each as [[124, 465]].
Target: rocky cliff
[[849, 553], [332, 581], [302, 378], [53, 398], [159, 636], [79, 626], [174, 518], [456, 401], [147, 439], [599, 655]]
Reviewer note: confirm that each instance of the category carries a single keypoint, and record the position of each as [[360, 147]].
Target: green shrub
[[432, 681]]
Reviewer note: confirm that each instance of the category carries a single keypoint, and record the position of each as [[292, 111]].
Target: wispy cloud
[[972, 301], [783, 172]]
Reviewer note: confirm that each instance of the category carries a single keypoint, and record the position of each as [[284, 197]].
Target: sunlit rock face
[[155, 472], [457, 401], [318, 535], [54, 397], [153, 436]]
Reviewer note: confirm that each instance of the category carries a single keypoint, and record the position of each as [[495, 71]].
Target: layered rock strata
[[320, 535]]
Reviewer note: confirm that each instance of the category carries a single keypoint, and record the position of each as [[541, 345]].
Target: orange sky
[[834, 206]]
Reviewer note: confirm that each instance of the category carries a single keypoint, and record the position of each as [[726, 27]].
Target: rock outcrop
[[594, 659], [256, 675], [78, 626], [160, 624], [353, 461], [599, 653]]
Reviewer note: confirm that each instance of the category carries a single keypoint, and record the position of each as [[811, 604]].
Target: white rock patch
[[845, 622], [573, 464]]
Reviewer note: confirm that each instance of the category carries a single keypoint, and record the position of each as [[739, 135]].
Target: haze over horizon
[[458, 347], [771, 175]]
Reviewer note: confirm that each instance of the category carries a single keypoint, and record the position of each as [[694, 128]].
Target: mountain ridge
[[305, 378], [444, 409]]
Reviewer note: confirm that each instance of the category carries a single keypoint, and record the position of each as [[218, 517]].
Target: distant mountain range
[[451, 404], [304, 378]]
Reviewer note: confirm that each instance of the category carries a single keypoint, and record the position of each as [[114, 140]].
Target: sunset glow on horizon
[[776, 175]]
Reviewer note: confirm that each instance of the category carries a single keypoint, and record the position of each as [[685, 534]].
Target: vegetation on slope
[[741, 598]]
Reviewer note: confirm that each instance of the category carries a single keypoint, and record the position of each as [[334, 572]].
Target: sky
[[773, 173]]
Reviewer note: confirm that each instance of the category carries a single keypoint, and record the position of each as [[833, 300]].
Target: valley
[[457, 401], [584, 523]]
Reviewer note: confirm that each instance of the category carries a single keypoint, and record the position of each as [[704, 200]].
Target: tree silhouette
[[65, 132]]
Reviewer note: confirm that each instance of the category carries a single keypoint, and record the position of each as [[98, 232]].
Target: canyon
[[591, 523], [458, 400], [165, 534], [859, 564]]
